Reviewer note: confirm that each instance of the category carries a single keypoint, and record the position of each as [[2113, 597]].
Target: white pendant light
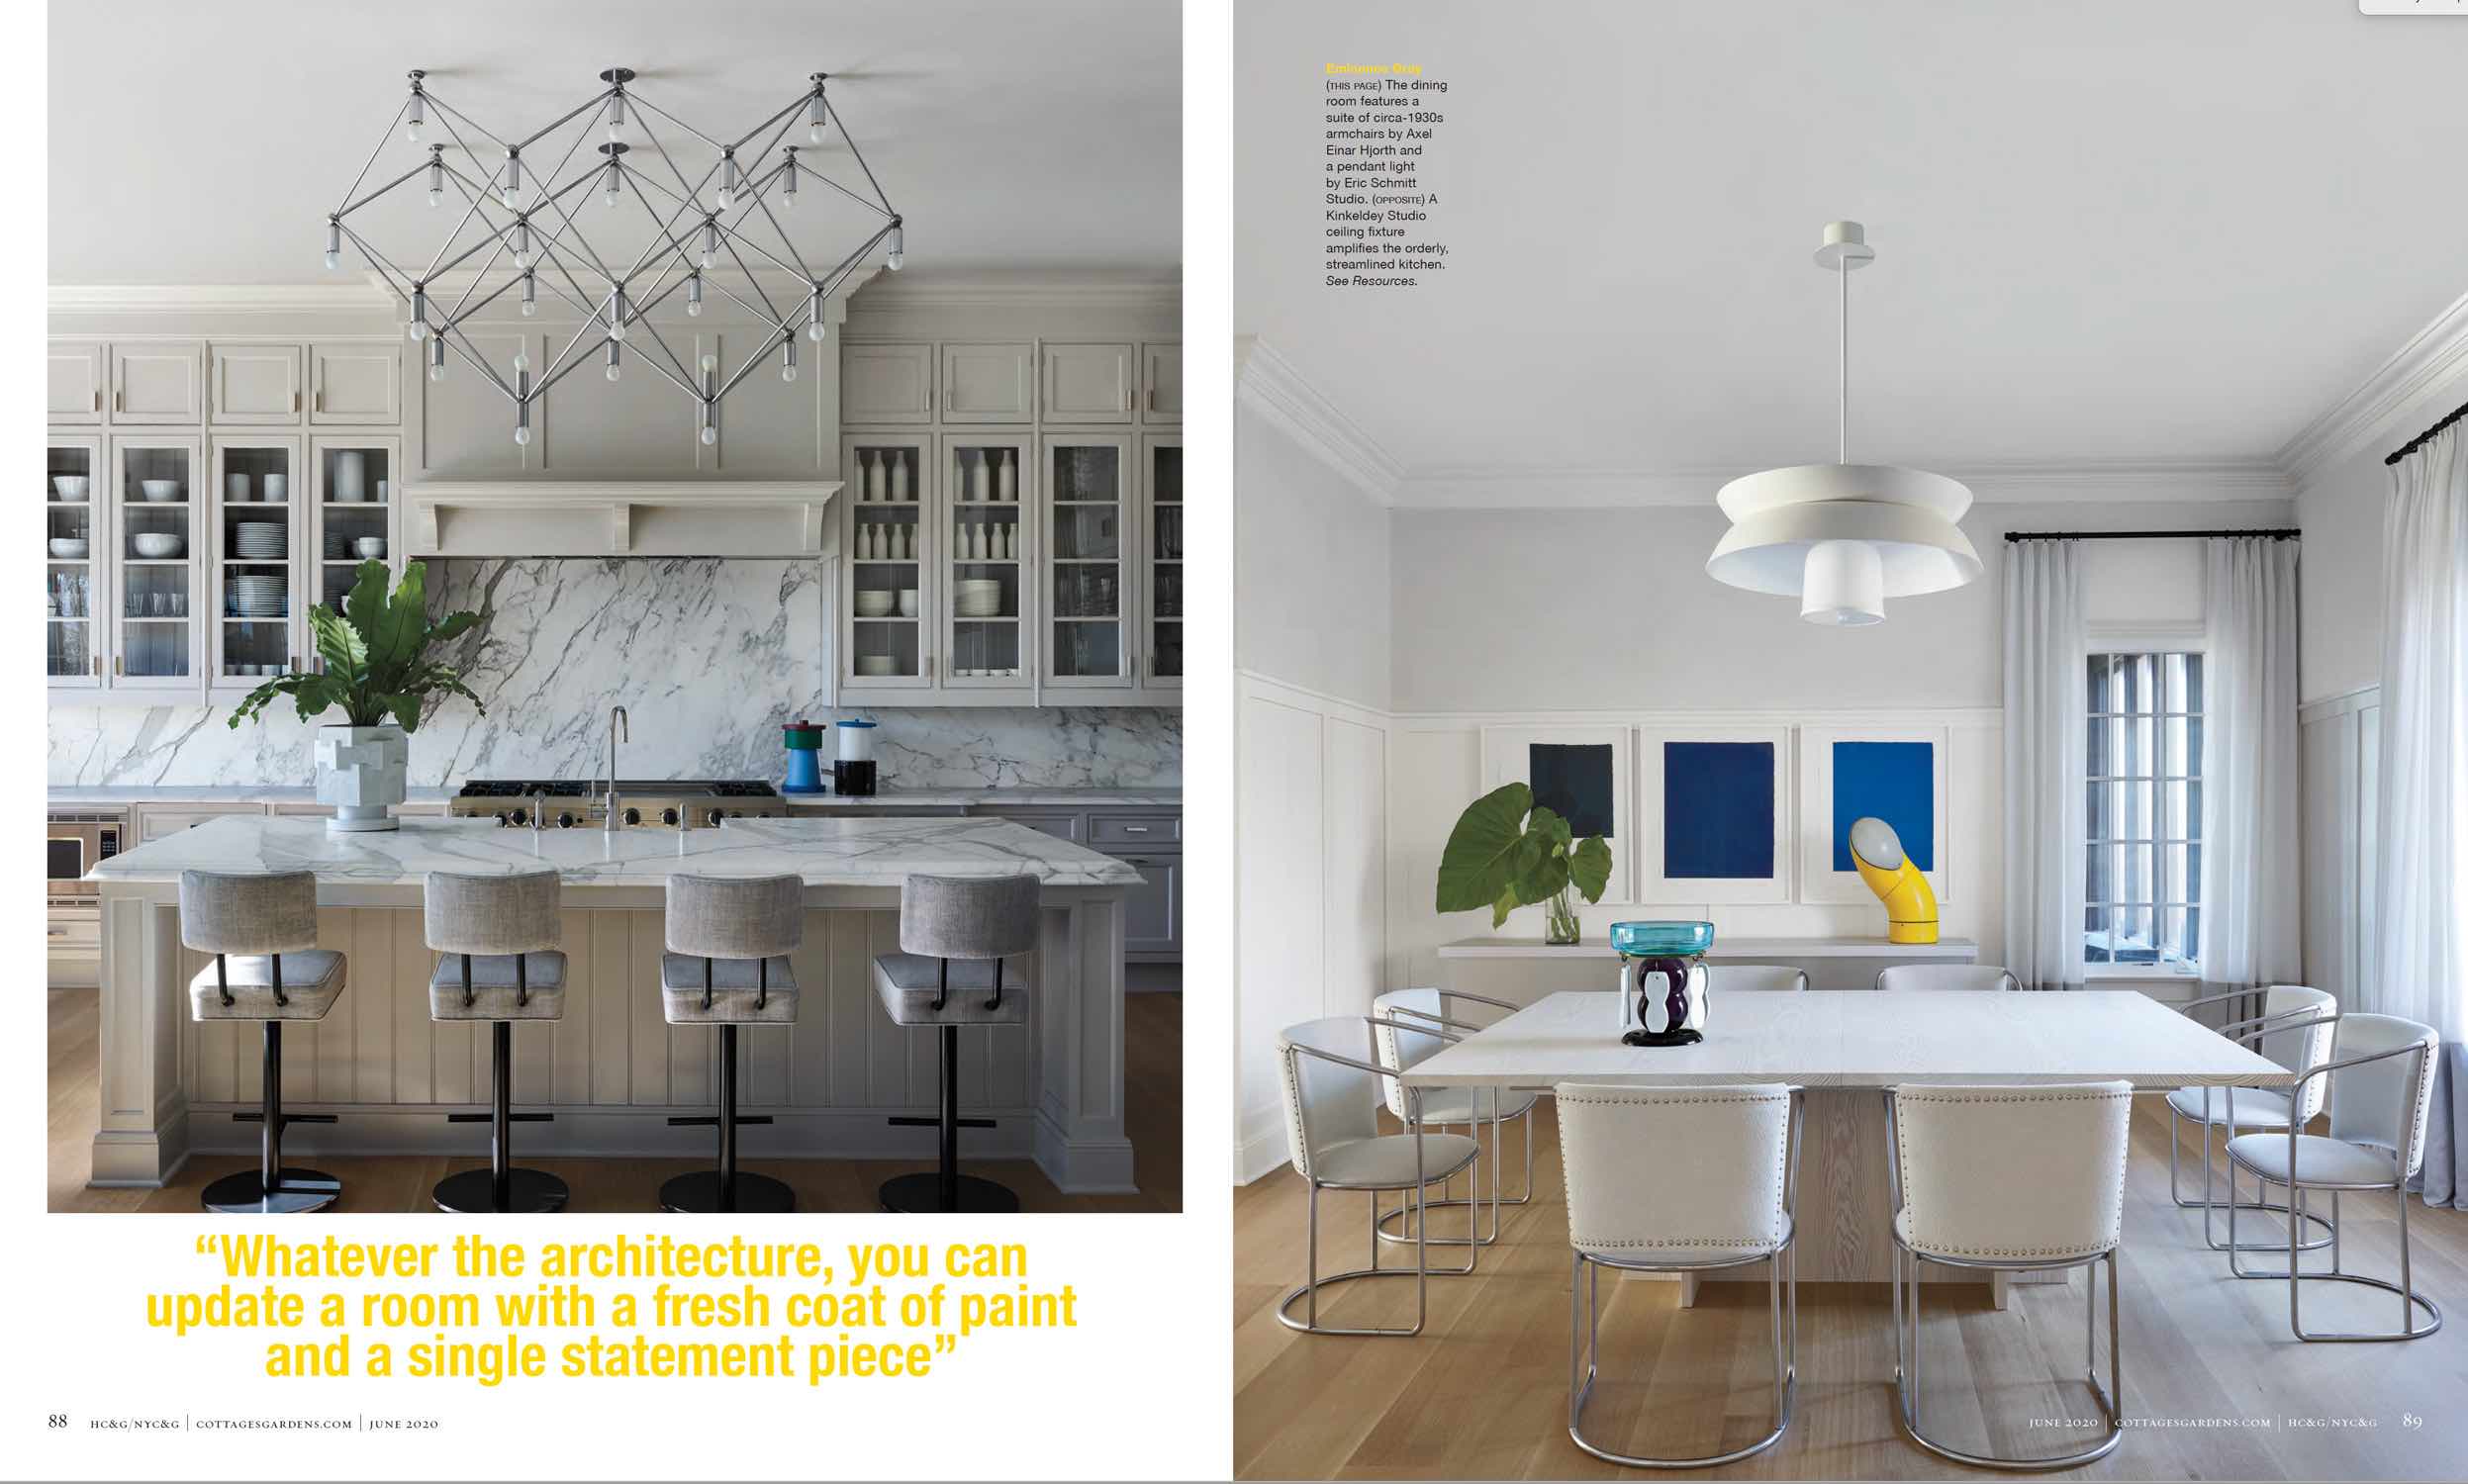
[[1843, 537]]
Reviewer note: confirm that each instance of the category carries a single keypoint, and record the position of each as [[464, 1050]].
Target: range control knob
[[668, 816], [633, 816], [565, 820], [715, 816], [522, 817], [500, 817]]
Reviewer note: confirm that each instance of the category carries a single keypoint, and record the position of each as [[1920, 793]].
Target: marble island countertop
[[73, 796], [825, 852]]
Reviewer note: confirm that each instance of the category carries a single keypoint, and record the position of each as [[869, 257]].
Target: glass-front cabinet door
[[76, 520], [989, 561], [257, 572], [155, 501], [1161, 555], [1088, 482], [355, 479], [888, 554]]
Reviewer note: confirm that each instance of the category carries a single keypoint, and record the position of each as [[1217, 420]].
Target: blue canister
[[805, 744]]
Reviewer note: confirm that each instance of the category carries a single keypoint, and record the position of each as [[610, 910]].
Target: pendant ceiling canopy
[[517, 217], [1844, 537]]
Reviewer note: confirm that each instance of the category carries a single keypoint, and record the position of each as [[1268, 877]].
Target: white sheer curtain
[[2045, 699], [2419, 963], [2251, 850]]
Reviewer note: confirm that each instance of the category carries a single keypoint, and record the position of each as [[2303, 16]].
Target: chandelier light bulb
[[530, 294], [416, 120], [334, 259], [694, 294], [522, 432], [616, 317], [710, 435], [436, 370], [613, 370], [513, 178], [711, 363], [788, 179], [334, 243], [814, 329], [896, 253], [617, 120], [523, 359], [788, 359], [710, 244], [816, 114]]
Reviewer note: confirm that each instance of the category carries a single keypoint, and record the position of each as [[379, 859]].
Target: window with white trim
[[2143, 870]]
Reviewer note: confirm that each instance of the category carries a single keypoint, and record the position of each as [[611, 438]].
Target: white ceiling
[[205, 144], [2108, 232]]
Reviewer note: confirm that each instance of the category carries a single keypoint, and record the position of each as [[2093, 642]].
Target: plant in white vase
[[377, 665]]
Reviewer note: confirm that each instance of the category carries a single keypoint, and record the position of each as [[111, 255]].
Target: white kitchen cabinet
[[359, 382], [769, 427], [77, 590], [153, 822], [1089, 383], [253, 383], [887, 385], [157, 600], [1152, 912], [256, 483], [989, 383], [985, 583], [467, 423], [1086, 489], [888, 553], [74, 385], [1161, 382], [159, 382], [1158, 527], [354, 493]]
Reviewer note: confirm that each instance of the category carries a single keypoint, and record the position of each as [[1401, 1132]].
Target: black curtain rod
[[2280, 533], [2422, 439]]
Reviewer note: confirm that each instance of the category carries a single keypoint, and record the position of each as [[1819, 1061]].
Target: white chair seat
[[2257, 1107], [311, 979], [908, 983], [1385, 1161], [2319, 1160], [493, 988], [1643, 1255], [1472, 1105], [732, 991]]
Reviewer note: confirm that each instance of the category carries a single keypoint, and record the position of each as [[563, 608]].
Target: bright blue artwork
[[1897, 782], [1718, 810]]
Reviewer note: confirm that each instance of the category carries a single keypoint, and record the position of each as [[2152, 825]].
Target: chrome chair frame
[[2406, 1289], [1907, 1260], [1497, 1124], [1422, 1272], [2247, 1033], [1783, 1297]]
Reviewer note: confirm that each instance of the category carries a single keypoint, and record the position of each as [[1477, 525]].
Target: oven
[[73, 844]]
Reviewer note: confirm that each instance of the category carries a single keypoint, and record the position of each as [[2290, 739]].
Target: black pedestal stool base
[[473, 1192], [923, 1191], [295, 1190], [709, 1191]]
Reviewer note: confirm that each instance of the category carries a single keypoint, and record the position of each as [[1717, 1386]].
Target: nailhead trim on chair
[[2115, 1234], [1680, 1099]]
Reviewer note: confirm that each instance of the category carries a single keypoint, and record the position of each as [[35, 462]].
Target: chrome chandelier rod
[[522, 214]]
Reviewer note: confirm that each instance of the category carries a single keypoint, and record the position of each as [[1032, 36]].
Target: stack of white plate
[[978, 597], [337, 548], [259, 541], [257, 597]]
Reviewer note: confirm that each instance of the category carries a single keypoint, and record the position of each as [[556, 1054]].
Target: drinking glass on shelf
[[180, 605]]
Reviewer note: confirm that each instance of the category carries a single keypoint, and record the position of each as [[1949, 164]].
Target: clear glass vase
[[1559, 924]]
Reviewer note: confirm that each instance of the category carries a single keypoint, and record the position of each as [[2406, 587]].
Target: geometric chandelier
[[697, 236]]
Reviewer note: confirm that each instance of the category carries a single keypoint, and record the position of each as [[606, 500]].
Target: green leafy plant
[[376, 655], [1508, 852]]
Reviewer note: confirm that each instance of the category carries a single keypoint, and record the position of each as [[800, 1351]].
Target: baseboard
[[1260, 1148]]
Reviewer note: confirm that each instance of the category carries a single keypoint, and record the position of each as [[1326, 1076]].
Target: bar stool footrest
[[491, 1118], [288, 1119], [909, 1121]]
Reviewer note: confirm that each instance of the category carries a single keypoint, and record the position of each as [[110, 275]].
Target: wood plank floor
[[1483, 1393], [1152, 1108]]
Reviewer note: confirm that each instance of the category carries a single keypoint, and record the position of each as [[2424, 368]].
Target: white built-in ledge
[[1953, 950], [621, 518]]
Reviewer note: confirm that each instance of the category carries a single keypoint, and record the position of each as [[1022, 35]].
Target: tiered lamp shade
[[1844, 537]]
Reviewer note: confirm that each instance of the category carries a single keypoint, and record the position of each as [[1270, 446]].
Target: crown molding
[[1518, 488], [908, 290], [1267, 383], [351, 294], [2434, 355]]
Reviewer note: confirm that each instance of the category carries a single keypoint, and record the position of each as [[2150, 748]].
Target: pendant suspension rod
[[381, 190], [859, 157], [879, 210], [803, 270], [600, 103], [641, 102], [479, 361], [675, 361], [400, 110], [1841, 369], [445, 107], [543, 182], [798, 102]]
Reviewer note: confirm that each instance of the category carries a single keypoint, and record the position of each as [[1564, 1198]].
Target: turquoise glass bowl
[[1661, 940]]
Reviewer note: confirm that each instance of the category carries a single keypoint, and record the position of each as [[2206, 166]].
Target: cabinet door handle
[[98, 667], [116, 666], [98, 399], [1152, 399], [1135, 829], [119, 400], [295, 401], [318, 404]]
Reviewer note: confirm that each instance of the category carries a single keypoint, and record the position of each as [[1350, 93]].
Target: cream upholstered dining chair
[[2381, 1081], [1404, 1034], [2292, 1025], [2002, 1179], [1757, 978], [1332, 1131], [1718, 1191], [1946, 977]]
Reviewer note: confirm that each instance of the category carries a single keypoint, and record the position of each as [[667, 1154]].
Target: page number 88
[[57, 1420]]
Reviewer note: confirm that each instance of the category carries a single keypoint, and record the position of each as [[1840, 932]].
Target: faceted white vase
[[360, 770]]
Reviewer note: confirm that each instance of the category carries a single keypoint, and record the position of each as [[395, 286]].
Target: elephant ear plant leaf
[[1507, 852], [376, 655]]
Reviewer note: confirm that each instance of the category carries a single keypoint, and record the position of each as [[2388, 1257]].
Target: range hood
[[620, 518]]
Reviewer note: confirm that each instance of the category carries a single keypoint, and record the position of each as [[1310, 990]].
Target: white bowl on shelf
[[370, 548], [873, 603], [874, 664], [977, 597], [154, 546], [159, 490], [68, 548], [71, 486]]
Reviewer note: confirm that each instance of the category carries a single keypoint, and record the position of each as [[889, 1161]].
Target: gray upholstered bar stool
[[954, 934], [267, 968], [496, 937], [727, 964]]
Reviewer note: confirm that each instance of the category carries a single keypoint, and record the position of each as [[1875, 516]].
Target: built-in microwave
[[74, 845]]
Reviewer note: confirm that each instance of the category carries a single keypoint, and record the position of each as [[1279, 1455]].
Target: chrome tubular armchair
[[1410, 1025], [2295, 1030], [1333, 1131], [2380, 1094]]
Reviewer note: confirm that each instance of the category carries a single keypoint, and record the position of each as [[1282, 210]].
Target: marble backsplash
[[708, 657]]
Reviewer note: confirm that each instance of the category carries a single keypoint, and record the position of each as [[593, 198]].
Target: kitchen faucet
[[618, 727]]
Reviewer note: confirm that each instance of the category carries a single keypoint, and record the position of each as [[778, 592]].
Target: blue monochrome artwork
[[1573, 782], [1718, 810], [1897, 782]]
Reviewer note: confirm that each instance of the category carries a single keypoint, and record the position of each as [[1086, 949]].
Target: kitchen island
[[612, 1070]]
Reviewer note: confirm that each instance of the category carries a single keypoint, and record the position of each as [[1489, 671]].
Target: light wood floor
[[1482, 1392], [1152, 1106]]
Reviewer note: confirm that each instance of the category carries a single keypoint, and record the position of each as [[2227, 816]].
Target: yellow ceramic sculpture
[[1910, 907]]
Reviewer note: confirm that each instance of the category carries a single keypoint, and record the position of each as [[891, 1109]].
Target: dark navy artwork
[[1718, 810]]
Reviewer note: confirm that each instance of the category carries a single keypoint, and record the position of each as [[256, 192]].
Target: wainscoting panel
[[2341, 748]]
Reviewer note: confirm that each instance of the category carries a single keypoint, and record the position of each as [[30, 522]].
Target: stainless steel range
[[569, 804]]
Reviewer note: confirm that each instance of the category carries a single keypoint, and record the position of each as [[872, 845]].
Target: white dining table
[[1845, 1049]]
